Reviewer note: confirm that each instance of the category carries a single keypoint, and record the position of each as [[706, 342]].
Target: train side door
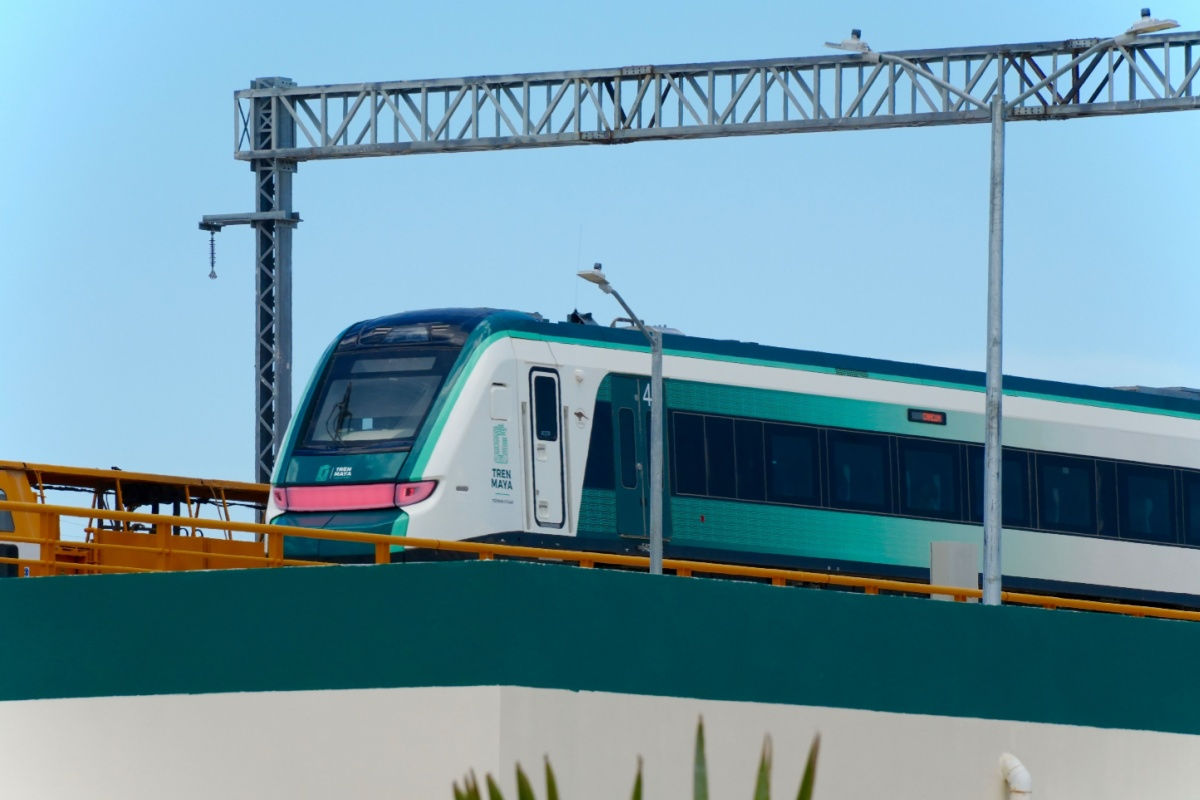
[[547, 448], [632, 459]]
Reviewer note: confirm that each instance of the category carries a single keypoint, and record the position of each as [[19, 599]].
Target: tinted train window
[[718, 435], [858, 471], [599, 471], [791, 464], [1146, 499], [1191, 508], [1106, 498], [929, 479], [628, 448], [1066, 492], [545, 404], [748, 444], [687, 444], [375, 398], [1014, 479]]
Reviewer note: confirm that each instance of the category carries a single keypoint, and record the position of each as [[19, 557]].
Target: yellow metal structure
[[112, 544], [153, 543]]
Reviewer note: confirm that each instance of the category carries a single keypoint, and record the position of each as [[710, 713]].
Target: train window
[[6, 518], [858, 471], [748, 441], [1191, 508], [628, 448], [792, 475], [687, 445], [1014, 477], [1146, 499], [369, 365], [598, 474], [718, 447], [1106, 498], [374, 399], [1066, 492], [929, 482], [545, 408]]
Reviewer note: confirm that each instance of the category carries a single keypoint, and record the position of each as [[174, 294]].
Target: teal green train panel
[[810, 532], [598, 512], [838, 412], [604, 391]]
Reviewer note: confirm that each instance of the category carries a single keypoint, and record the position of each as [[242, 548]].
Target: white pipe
[[1020, 784]]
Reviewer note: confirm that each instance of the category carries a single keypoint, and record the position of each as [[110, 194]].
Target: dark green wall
[[489, 623]]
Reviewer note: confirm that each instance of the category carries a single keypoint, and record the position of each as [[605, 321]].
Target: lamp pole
[[994, 392], [992, 487], [596, 276]]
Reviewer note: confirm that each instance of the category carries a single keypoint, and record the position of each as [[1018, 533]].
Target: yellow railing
[[169, 552]]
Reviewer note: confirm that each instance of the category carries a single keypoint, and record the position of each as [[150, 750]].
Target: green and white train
[[497, 425]]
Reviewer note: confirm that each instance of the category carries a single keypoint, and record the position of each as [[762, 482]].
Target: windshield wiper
[[339, 415]]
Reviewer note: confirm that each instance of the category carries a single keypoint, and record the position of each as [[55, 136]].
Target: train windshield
[[376, 399]]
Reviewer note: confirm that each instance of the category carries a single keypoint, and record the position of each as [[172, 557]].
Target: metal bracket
[[215, 222]]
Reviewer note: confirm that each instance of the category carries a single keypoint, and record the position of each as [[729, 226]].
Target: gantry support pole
[[273, 280], [272, 220]]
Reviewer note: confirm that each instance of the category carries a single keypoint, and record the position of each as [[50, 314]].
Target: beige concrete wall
[[412, 743]]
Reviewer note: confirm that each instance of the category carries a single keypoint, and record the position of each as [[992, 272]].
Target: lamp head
[[1148, 24], [596, 275], [854, 44]]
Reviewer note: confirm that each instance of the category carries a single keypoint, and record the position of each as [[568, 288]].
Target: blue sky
[[120, 351]]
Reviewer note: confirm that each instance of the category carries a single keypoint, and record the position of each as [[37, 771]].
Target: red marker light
[[352, 497], [409, 493], [349, 497]]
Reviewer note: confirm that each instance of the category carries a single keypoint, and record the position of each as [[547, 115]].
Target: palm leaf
[[637, 782], [493, 789], [700, 770], [551, 784], [524, 789], [810, 770], [470, 790], [762, 784]]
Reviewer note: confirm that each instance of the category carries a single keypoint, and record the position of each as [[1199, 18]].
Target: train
[[498, 425]]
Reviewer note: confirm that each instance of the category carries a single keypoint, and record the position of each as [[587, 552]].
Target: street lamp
[[992, 400], [596, 275], [1147, 24]]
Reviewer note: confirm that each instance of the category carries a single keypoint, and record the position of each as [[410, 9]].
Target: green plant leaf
[[637, 782], [524, 789], [493, 789], [551, 784], [700, 766], [470, 790], [810, 770], [762, 784]]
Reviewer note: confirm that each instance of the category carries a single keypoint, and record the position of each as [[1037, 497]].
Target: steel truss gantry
[[693, 101], [277, 124]]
